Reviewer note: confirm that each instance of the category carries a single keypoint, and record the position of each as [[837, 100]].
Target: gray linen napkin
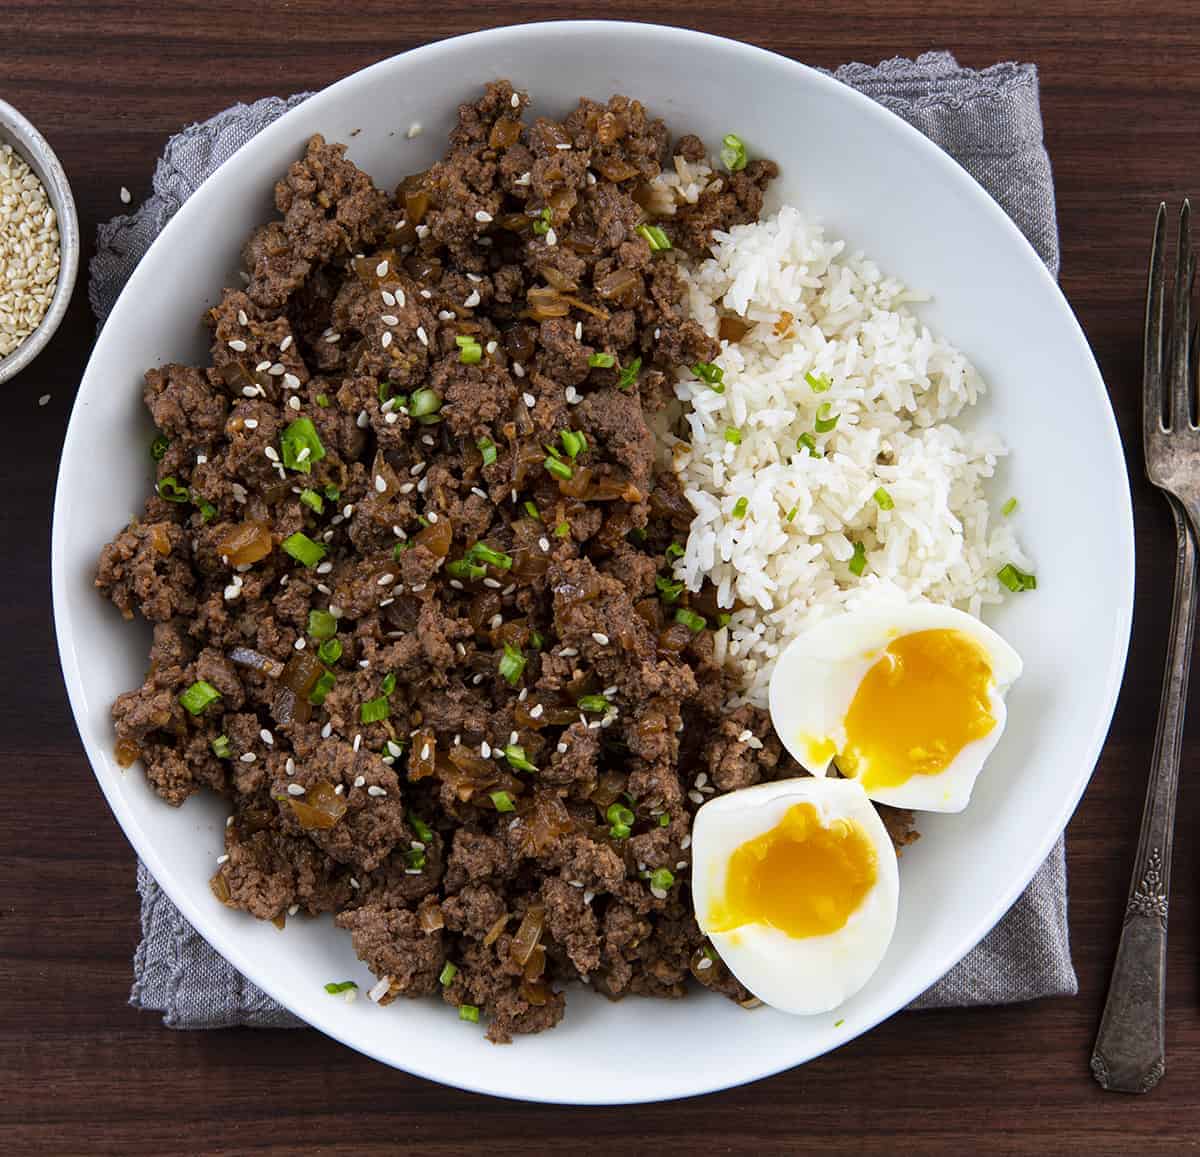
[[990, 122]]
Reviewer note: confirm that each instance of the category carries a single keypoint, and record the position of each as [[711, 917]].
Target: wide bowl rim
[[1122, 528], [36, 151]]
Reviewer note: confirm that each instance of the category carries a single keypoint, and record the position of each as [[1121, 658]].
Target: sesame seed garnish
[[327, 731], [242, 318], [496, 621], [551, 237], [579, 331], [290, 766], [355, 885], [380, 483], [478, 492], [422, 337], [569, 652], [262, 367], [381, 270], [248, 757], [249, 391], [299, 644], [324, 567], [251, 423], [376, 791], [544, 543], [535, 712], [573, 396], [357, 742], [561, 749], [333, 338], [695, 796], [446, 315], [416, 468], [427, 294], [701, 779], [472, 301], [491, 583], [391, 418], [303, 453], [380, 990], [424, 751], [291, 382], [223, 859], [745, 735], [483, 216], [267, 737], [363, 420], [44, 400], [388, 299], [229, 821], [385, 338], [359, 780], [126, 197], [295, 789], [485, 750], [523, 179], [271, 453], [286, 344], [515, 101], [237, 345], [293, 403], [399, 299], [389, 319], [600, 638], [408, 487], [518, 369], [431, 515], [277, 370], [562, 145], [385, 579]]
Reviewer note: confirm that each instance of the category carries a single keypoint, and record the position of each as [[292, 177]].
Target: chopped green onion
[[734, 435], [664, 820], [198, 696], [628, 376], [791, 514], [207, 510], [553, 451], [620, 831], [330, 651], [470, 352], [447, 975], [740, 507], [324, 684], [423, 521], [883, 499], [424, 402], [502, 800], [669, 591], [512, 663], [602, 361], [819, 382], [536, 640], [839, 1023], [169, 490], [618, 813], [662, 878], [468, 1012], [321, 625], [423, 830], [332, 492], [299, 437], [559, 469], [221, 748], [322, 400], [1016, 580], [463, 568], [807, 442], [723, 619], [858, 560], [1008, 507], [388, 683], [415, 858], [712, 374], [690, 619], [592, 703], [532, 510], [482, 553], [574, 444], [375, 710], [336, 986], [674, 551], [562, 530], [488, 448], [303, 549], [313, 501], [385, 391], [515, 754], [158, 447], [824, 422], [542, 225], [733, 153], [400, 547], [655, 237]]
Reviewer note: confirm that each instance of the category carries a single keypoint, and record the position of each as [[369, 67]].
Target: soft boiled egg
[[795, 884], [907, 699]]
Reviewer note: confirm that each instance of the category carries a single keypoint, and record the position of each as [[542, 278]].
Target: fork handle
[[1130, 1054]]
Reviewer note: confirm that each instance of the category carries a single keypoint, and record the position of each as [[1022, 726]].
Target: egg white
[[811, 974], [818, 674]]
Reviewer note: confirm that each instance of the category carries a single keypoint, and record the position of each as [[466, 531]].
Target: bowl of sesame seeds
[[39, 242]]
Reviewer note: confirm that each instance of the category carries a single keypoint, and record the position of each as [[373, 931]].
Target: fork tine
[[1153, 399], [1181, 327]]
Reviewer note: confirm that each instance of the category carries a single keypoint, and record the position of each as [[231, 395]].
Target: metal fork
[[1130, 1054]]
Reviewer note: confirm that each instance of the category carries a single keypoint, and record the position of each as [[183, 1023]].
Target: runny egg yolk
[[916, 708], [801, 877]]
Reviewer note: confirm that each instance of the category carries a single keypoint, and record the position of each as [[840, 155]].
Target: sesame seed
[[491, 347], [223, 859], [414, 130], [476, 679], [658, 893], [388, 299], [299, 643], [237, 345], [422, 337], [126, 197], [363, 420], [229, 821], [271, 453], [400, 298], [242, 318], [277, 370], [332, 338], [324, 567], [416, 468], [745, 735], [523, 179], [478, 492], [376, 791], [354, 884], [562, 145], [551, 237], [610, 691], [249, 391], [472, 301], [286, 344], [515, 101], [695, 797], [385, 579], [569, 652], [359, 780], [295, 789], [685, 843], [701, 779], [248, 757], [483, 216], [385, 338], [518, 369], [290, 766], [424, 751], [251, 423], [407, 488], [327, 731], [389, 319], [600, 638], [578, 331], [262, 367], [431, 516], [535, 712], [381, 270], [380, 483], [357, 742], [303, 454], [544, 543], [267, 737], [446, 315], [380, 990], [391, 418], [573, 396], [491, 583]]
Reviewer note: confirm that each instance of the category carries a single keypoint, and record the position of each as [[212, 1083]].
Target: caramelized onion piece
[[731, 328], [559, 281], [319, 809], [160, 540], [301, 672], [219, 887], [126, 752], [494, 931], [536, 964], [505, 133], [614, 168], [422, 759], [437, 537], [246, 542], [288, 707], [595, 310], [545, 821], [528, 934], [257, 661], [623, 286], [608, 789], [544, 303], [416, 205], [675, 638], [430, 917]]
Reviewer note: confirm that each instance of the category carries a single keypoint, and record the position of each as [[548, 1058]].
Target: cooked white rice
[[895, 390]]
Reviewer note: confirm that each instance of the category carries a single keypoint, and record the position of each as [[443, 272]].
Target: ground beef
[[407, 565]]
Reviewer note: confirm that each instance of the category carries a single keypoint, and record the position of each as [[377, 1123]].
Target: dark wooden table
[[82, 1072]]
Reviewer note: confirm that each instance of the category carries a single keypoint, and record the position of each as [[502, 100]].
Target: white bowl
[[885, 188]]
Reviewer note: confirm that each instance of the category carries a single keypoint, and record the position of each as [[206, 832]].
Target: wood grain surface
[[81, 1072]]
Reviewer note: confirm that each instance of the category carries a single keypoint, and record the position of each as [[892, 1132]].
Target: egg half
[[795, 884], [907, 699]]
